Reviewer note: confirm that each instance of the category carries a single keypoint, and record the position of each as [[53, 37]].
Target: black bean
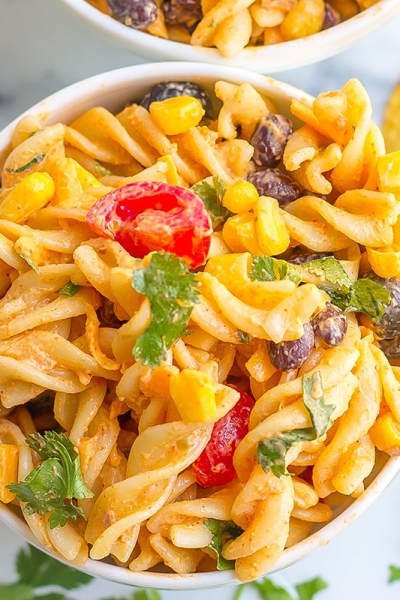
[[391, 348], [332, 16], [186, 13], [275, 183], [330, 324], [291, 355], [172, 89], [137, 14], [388, 326], [269, 139]]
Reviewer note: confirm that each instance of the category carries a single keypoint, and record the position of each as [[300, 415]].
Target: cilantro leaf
[[55, 481], [211, 194], [394, 573], [16, 591], [222, 532], [171, 290], [330, 271], [36, 159], [37, 569], [270, 591], [308, 589], [313, 398], [266, 268], [69, 289], [271, 453], [364, 295]]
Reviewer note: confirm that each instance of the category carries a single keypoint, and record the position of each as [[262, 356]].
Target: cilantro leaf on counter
[[222, 532], [55, 482], [171, 290], [308, 589], [271, 453], [394, 573], [69, 289], [268, 590], [36, 159], [266, 268], [42, 577], [211, 195], [38, 569]]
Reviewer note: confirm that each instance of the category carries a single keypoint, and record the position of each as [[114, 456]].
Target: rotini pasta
[[193, 384]]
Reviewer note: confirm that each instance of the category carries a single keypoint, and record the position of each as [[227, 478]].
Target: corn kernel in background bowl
[[264, 58], [114, 90]]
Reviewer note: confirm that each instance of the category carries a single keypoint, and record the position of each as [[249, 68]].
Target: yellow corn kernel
[[388, 167], [194, 396], [305, 18], [239, 233], [240, 197], [271, 232], [177, 115], [8, 470], [29, 195], [385, 434]]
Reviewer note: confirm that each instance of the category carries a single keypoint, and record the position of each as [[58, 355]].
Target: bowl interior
[[262, 59], [113, 90]]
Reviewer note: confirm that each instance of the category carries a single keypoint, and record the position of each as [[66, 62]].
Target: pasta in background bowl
[[70, 353], [234, 48]]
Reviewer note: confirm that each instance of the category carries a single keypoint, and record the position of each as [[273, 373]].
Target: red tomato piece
[[148, 216], [215, 464]]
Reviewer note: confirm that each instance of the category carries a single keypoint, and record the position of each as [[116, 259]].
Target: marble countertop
[[42, 49]]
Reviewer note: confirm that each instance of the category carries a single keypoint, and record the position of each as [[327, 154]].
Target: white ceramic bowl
[[113, 90], [262, 59]]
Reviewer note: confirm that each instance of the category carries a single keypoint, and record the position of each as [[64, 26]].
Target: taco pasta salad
[[199, 324]]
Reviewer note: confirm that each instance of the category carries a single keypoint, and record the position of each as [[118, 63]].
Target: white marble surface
[[42, 48]]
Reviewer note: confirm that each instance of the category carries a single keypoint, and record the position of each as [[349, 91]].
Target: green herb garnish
[[268, 590], [211, 194], [266, 268], [56, 481], [171, 290], [222, 532], [37, 159], [69, 289], [394, 573], [271, 453]]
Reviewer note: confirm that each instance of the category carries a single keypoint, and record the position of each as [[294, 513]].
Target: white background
[[42, 49]]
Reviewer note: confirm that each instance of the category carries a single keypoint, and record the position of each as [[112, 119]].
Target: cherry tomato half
[[215, 464], [149, 216]]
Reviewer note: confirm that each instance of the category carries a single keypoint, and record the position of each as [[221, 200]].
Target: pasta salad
[[231, 25], [199, 339]]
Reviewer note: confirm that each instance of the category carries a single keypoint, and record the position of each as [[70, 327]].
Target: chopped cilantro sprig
[[271, 453], [211, 194], [222, 532], [364, 295], [171, 290], [56, 482]]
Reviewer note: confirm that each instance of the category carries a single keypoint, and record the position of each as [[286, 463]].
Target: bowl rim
[[86, 93], [263, 59]]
